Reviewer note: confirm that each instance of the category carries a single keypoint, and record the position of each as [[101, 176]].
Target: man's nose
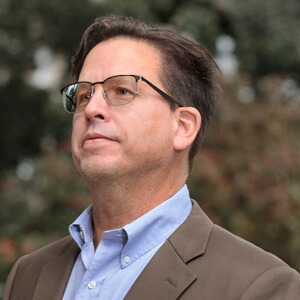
[[97, 107]]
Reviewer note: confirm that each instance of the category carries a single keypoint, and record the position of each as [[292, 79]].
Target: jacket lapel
[[54, 276], [167, 275]]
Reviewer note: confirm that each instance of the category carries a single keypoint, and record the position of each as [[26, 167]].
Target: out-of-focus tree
[[247, 174]]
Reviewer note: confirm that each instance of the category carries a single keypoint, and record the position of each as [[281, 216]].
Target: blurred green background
[[246, 175]]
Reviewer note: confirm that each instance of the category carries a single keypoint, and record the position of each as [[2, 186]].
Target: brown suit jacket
[[200, 260]]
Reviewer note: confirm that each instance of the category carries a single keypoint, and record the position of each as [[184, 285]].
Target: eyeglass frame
[[137, 78]]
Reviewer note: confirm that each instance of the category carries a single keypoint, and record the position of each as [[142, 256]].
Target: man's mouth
[[92, 138]]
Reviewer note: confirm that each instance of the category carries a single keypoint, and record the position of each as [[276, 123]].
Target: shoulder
[[50, 251], [256, 274], [238, 252], [24, 274], [227, 249], [233, 268], [33, 263]]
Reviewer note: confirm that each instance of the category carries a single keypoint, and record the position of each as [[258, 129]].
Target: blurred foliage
[[37, 210], [246, 175]]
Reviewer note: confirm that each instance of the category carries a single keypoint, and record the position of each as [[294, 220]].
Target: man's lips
[[91, 138]]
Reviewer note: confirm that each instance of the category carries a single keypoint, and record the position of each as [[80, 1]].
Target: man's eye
[[87, 97], [83, 98], [123, 92]]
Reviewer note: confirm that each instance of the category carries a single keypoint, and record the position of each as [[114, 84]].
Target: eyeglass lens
[[117, 90]]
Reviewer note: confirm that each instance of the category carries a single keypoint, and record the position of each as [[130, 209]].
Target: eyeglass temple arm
[[166, 96]]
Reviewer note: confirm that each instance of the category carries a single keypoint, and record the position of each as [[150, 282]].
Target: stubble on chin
[[95, 170]]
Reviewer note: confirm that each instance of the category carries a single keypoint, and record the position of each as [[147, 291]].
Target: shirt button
[[92, 285], [81, 234], [127, 259]]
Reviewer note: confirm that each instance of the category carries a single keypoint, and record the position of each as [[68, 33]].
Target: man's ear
[[188, 124]]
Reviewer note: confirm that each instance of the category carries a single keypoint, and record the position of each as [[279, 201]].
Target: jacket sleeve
[[277, 283], [10, 280]]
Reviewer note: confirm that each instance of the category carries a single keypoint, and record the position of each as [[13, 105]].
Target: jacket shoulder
[[239, 252], [25, 273], [235, 267], [50, 251]]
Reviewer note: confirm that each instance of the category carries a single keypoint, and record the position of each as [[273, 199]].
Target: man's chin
[[95, 170]]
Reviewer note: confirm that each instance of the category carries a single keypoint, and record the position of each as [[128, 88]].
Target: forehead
[[121, 56]]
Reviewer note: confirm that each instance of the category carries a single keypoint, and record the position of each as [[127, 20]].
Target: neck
[[118, 202]]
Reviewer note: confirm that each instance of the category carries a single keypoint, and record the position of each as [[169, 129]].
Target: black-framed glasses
[[117, 90]]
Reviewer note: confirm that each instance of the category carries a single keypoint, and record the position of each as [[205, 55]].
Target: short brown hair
[[189, 72]]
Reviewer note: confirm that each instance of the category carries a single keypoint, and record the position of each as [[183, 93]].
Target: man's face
[[132, 139]]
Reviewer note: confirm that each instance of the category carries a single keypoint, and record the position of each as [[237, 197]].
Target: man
[[141, 102]]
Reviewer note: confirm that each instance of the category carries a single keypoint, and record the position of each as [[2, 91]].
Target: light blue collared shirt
[[110, 271]]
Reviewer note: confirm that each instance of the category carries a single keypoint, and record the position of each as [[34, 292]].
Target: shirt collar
[[82, 229], [144, 233], [154, 227]]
